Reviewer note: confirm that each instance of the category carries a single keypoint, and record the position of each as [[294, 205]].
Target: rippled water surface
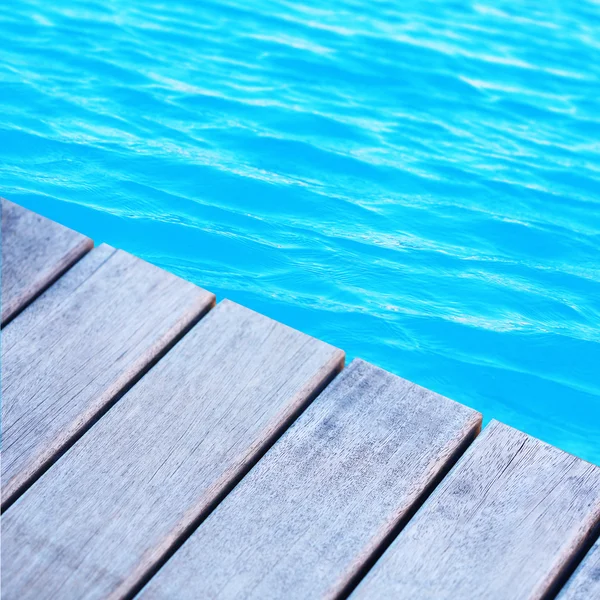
[[415, 182]]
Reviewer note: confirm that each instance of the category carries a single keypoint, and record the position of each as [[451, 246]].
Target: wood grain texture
[[504, 524], [104, 516], [35, 252], [67, 355], [309, 515], [584, 584]]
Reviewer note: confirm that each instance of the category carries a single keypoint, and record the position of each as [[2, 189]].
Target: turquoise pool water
[[415, 182]]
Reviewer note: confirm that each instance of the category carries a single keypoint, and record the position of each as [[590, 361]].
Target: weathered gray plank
[[35, 251], [309, 515], [77, 346], [585, 582], [503, 524], [104, 515]]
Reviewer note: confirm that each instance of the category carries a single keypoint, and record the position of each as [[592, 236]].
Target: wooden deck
[[157, 445]]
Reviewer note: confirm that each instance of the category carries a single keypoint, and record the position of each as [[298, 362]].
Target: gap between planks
[[70, 355]]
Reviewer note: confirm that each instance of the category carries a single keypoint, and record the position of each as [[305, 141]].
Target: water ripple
[[417, 183]]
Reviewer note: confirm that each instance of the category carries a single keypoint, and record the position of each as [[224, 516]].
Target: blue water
[[415, 182]]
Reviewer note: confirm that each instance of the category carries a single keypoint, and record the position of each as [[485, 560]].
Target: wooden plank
[[74, 349], [305, 521], [104, 517], [35, 252], [585, 582], [505, 522]]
